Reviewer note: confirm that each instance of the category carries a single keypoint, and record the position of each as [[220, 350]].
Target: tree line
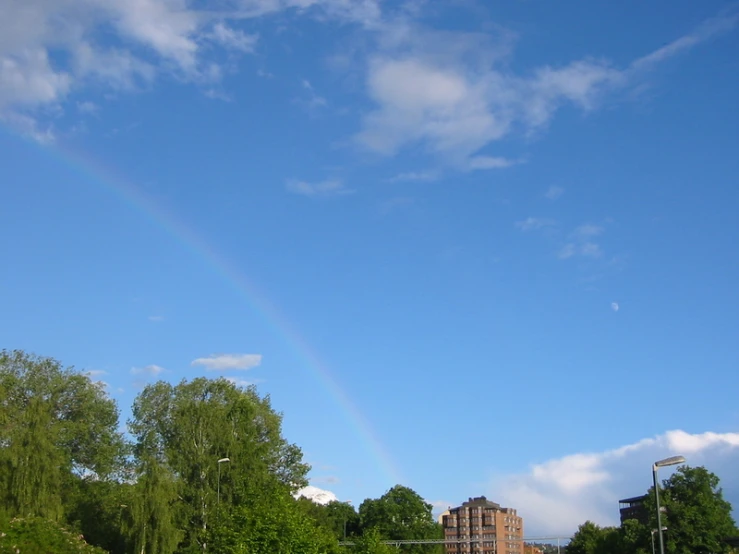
[[204, 468], [696, 519]]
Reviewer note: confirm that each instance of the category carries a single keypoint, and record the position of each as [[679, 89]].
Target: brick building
[[483, 527]]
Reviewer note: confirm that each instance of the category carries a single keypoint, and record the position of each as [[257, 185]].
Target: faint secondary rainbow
[[192, 241]]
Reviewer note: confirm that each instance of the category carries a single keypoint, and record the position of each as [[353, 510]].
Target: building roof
[[633, 500], [481, 501]]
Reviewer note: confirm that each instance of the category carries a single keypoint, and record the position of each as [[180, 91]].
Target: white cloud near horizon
[[225, 362], [316, 494], [556, 496]]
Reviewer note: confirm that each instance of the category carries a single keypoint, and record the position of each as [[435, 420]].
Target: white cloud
[[150, 370], [615, 307], [554, 192], [223, 362], [707, 30], [582, 243], [489, 162], [556, 496], [233, 39], [588, 230], [243, 382], [87, 107], [535, 223], [331, 187], [428, 175], [585, 249], [449, 92], [95, 372], [156, 318], [452, 93], [29, 126], [319, 496]]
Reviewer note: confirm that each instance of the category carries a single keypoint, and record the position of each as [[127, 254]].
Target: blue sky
[[474, 247]]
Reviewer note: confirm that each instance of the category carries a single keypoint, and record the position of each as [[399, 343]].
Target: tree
[[371, 543], [184, 430], [56, 426], [697, 517], [271, 522], [587, 540], [593, 539], [39, 536], [342, 518], [401, 514]]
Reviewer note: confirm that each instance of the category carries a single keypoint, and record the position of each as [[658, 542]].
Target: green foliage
[[371, 543], [342, 518], [401, 514], [593, 539], [588, 539], [270, 523], [697, 517], [150, 518], [41, 536], [98, 510], [182, 431], [55, 426]]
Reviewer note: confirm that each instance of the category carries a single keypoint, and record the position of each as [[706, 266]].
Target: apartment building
[[483, 527], [634, 508]]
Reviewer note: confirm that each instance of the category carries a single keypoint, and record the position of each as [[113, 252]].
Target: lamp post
[[662, 463], [652, 533], [221, 461], [349, 502]]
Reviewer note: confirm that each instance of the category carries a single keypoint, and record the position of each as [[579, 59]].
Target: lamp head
[[674, 460]]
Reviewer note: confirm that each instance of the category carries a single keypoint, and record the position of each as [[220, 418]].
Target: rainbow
[[188, 238]]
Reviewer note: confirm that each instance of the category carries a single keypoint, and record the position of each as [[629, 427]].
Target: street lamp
[[221, 461], [662, 463], [652, 533], [349, 502]]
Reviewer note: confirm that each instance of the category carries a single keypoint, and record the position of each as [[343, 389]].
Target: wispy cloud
[[588, 230], [420, 176], [582, 242], [151, 370], [326, 480], [232, 39], [554, 192], [156, 318], [535, 223], [331, 187], [222, 362], [450, 93], [243, 382], [87, 107], [310, 99], [707, 30], [615, 307], [558, 495], [95, 372], [393, 204]]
